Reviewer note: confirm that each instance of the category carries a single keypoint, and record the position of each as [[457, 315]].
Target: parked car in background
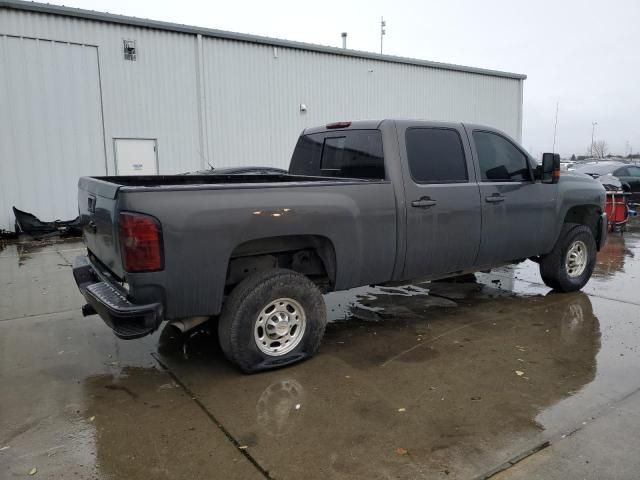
[[366, 202], [240, 171], [626, 173]]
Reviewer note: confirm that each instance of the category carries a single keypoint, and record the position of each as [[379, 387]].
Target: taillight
[[140, 242]]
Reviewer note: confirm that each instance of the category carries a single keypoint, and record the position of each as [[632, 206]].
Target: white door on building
[[136, 156]]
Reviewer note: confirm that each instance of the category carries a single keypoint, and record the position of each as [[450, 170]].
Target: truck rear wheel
[[271, 319], [571, 262]]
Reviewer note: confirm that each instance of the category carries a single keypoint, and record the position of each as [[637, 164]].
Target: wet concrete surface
[[497, 376]]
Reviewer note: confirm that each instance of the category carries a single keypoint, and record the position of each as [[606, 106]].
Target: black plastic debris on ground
[[32, 225], [7, 235]]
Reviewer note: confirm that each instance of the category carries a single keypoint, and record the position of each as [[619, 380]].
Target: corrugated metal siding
[[254, 92], [243, 109], [153, 97]]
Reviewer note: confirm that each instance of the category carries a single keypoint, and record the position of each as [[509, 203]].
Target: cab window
[[499, 159], [345, 154], [435, 155]]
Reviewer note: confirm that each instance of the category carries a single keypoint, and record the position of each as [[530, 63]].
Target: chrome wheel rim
[[279, 327], [577, 257]]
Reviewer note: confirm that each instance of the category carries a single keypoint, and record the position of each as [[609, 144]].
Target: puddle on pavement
[[24, 250], [376, 303], [616, 276], [36, 278], [167, 435], [457, 377], [83, 404], [436, 380], [43, 417], [454, 369]]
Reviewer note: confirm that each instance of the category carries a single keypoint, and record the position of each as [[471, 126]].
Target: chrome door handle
[[424, 202], [494, 199]]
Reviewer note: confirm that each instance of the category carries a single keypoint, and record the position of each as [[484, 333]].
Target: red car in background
[[622, 182]]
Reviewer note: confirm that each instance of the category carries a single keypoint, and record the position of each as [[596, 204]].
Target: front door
[[442, 200], [517, 212]]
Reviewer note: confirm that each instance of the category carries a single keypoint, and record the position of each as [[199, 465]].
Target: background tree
[[599, 149], [573, 157]]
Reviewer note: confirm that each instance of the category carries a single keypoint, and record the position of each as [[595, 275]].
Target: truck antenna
[[555, 128]]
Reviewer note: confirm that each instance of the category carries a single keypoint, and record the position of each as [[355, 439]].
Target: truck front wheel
[[571, 262], [271, 319]]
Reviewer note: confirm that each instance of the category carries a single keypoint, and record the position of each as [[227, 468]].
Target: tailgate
[[97, 206]]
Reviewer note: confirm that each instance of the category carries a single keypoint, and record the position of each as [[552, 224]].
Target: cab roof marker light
[[338, 125]]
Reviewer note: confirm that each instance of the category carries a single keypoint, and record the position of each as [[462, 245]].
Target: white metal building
[[90, 93]]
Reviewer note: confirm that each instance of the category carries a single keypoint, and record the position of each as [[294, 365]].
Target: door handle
[[92, 225], [495, 198], [424, 202]]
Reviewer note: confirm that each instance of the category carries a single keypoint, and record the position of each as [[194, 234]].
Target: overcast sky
[[583, 54]]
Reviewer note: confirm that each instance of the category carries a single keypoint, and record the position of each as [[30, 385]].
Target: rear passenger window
[[436, 155], [499, 159], [347, 154], [333, 154]]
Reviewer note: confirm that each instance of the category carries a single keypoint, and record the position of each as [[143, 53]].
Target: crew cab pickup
[[366, 202]]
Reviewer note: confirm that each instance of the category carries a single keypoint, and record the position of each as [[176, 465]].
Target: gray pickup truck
[[367, 202]]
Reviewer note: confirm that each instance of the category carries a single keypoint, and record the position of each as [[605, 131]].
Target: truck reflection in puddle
[[449, 361]]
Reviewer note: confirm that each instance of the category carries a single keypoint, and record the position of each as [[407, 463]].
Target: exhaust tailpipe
[[186, 324]]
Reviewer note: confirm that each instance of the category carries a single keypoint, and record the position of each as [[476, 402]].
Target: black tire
[[553, 266], [245, 303]]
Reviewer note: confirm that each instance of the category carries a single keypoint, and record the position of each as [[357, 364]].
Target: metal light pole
[[555, 128], [382, 31], [593, 129]]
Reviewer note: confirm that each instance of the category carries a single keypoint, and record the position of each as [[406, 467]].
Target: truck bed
[[206, 220], [176, 180], [108, 186]]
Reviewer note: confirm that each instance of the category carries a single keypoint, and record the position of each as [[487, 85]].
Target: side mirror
[[550, 168]]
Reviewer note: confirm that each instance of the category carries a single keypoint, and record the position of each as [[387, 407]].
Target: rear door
[[443, 201], [517, 212]]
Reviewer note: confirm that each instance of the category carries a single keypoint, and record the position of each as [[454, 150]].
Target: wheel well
[[588, 215], [311, 255]]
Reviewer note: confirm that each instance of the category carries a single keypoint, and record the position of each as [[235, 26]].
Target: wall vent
[[130, 51]]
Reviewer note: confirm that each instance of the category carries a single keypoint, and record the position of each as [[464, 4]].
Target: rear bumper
[[603, 231], [127, 320]]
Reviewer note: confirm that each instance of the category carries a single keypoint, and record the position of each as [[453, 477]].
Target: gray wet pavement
[[494, 377]]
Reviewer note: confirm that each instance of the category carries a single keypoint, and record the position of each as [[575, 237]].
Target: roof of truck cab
[[376, 124], [353, 125]]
